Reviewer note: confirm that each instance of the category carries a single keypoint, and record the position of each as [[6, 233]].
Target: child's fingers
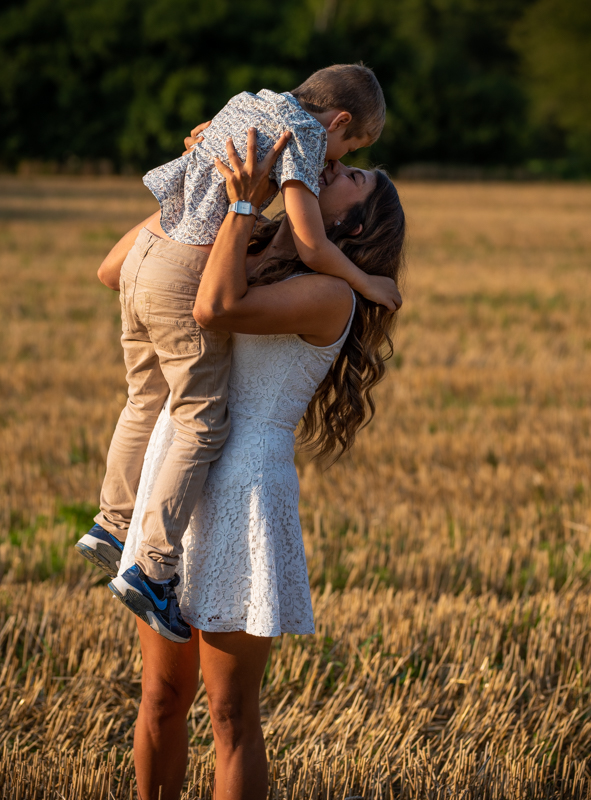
[[190, 143], [393, 303], [196, 131], [393, 295]]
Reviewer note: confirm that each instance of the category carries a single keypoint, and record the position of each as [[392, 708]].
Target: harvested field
[[449, 552]]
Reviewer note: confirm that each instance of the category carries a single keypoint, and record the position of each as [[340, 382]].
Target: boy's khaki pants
[[165, 353]]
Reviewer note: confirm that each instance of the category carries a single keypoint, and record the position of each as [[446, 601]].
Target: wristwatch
[[243, 207]]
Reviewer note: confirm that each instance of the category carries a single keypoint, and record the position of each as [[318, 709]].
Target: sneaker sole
[[143, 609], [99, 554]]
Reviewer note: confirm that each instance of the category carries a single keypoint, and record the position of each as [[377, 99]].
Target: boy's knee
[[203, 441], [147, 406]]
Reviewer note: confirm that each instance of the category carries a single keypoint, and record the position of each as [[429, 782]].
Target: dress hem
[[234, 627]]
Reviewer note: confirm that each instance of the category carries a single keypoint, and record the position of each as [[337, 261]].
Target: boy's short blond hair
[[348, 87]]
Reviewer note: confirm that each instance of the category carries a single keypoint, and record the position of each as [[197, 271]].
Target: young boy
[[335, 111]]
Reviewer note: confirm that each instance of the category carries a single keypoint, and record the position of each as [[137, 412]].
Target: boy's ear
[[340, 121]]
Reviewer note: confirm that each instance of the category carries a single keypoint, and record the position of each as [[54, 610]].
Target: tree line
[[472, 82]]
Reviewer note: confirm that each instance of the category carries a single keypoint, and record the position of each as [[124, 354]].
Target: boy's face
[[337, 146]]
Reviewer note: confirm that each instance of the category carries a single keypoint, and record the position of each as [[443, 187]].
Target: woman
[[304, 345]]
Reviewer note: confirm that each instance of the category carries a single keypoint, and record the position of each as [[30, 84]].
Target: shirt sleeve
[[303, 158]]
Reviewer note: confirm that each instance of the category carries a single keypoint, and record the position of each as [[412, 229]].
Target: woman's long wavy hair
[[343, 402]]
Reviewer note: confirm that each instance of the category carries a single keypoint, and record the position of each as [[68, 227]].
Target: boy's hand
[[195, 138], [249, 180], [383, 291]]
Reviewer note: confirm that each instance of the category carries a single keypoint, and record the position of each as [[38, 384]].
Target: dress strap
[[299, 275], [348, 328]]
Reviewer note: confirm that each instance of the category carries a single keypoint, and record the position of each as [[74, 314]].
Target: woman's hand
[[249, 180], [195, 138], [316, 308]]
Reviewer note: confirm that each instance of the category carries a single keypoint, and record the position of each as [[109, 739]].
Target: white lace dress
[[244, 565]]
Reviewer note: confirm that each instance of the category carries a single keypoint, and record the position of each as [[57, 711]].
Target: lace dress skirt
[[244, 564]]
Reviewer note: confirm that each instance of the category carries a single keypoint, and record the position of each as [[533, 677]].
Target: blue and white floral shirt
[[191, 191]]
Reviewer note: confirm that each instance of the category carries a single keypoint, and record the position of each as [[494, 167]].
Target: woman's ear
[[357, 230]]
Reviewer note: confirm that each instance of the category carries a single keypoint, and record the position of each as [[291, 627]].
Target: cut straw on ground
[[449, 553]]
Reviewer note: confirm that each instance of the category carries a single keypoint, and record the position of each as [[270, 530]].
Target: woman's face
[[341, 188]]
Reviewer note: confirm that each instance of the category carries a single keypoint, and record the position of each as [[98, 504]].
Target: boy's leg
[[147, 394], [198, 408], [148, 391]]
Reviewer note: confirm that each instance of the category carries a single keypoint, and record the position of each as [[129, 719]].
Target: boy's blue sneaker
[[102, 549], [155, 603]]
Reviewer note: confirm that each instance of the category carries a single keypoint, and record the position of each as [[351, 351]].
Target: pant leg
[[147, 394], [195, 365], [199, 414]]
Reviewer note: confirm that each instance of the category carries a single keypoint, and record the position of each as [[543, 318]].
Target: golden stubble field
[[449, 553]]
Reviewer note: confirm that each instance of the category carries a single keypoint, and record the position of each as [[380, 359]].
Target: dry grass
[[450, 552]]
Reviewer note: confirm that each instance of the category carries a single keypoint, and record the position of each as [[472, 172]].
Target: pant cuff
[[117, 532], [155, 570]]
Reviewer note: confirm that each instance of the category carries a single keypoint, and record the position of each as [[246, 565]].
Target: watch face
[[243, 207]]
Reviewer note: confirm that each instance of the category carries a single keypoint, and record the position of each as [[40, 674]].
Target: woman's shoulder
[[330, 299], [327, 288]]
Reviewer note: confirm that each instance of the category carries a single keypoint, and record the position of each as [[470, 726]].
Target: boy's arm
[[321, 255], [109, 271]]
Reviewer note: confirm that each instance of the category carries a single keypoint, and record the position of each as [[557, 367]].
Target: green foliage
[[126, 80], [555, 40]]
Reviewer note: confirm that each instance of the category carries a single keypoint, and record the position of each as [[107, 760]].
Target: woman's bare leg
[[232, 665], [169, 683]]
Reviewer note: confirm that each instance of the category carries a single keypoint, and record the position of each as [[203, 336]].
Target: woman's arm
[[321, 255], [316, 307]]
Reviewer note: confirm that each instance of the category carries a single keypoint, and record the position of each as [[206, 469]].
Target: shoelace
[[171, 595]]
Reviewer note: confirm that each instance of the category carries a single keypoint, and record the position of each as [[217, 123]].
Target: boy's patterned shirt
[[191, 191]]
